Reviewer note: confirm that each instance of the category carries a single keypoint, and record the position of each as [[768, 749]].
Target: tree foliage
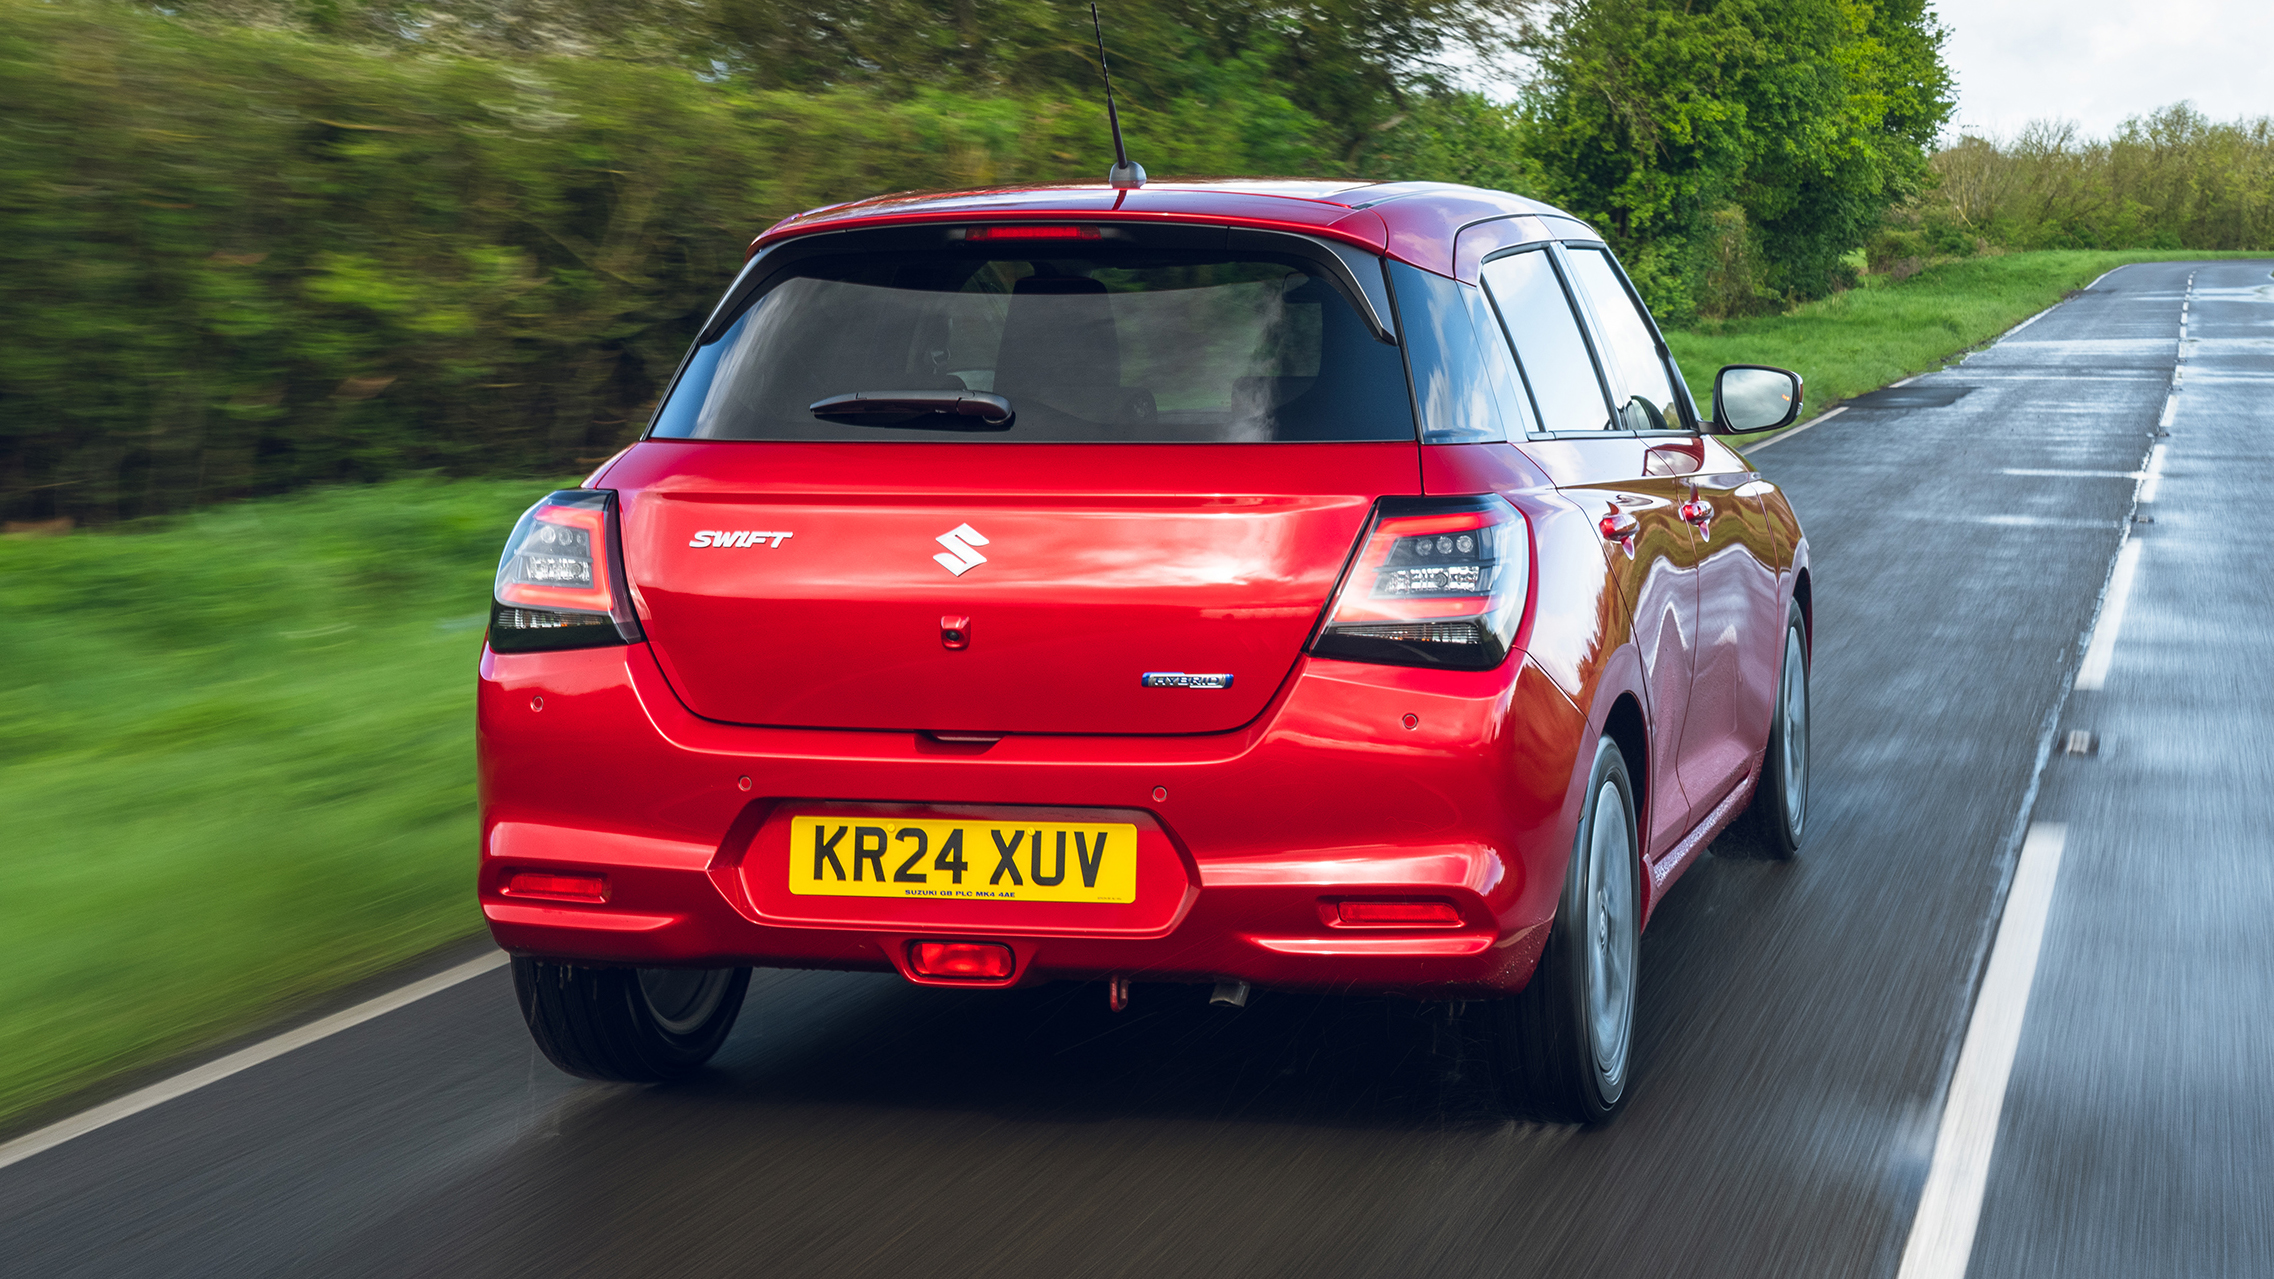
[[1807, 118], [1348, 63], [250, 244], [2172, 179], [236, 261]]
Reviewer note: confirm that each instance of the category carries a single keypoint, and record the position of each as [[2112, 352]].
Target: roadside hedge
[[236, 261]]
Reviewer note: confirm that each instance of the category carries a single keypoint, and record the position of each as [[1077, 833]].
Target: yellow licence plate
[[979, 860]]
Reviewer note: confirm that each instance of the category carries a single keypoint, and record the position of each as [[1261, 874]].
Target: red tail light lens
[[557, 886], [1381, 914], [970, 960], [1435, 583], [560, 583]]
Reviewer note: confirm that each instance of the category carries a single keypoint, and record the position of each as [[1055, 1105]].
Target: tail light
[[1435, 583], [560, 583]]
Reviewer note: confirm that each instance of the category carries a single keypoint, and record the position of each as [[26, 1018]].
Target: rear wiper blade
[[918, 410]]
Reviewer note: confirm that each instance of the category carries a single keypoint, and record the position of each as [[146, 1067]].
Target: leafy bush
[[235, 261], [2172, 179]]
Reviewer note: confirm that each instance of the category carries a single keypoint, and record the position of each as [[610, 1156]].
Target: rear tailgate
[[1083, 568]]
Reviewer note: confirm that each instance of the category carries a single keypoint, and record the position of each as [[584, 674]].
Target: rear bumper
[[589, 763]]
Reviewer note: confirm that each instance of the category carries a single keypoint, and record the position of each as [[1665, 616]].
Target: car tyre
[[1776, 820], [633, 1025], [1563, 1048]]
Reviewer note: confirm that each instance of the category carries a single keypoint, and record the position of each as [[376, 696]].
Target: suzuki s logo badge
[[722, 538], [1178, 679], [959, 558]]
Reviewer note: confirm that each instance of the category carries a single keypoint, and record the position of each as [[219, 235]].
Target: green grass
[[236, 766], [1865, 338]]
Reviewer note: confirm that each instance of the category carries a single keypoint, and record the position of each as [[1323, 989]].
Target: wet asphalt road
[[1797, 1025]]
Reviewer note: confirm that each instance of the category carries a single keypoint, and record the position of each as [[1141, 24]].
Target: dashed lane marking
[[2151, 476], [1942, 1234], [189, 1081], [2092, 673]]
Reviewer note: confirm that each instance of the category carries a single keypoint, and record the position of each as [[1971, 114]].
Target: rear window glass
[[1091, 344]]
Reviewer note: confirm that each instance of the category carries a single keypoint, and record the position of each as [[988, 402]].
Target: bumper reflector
[[1379, 914], [557, 887], [970, 960]]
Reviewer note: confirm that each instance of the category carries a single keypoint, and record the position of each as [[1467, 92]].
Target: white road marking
[[2170, 406], [2151, 478], [2071, 475], [2026, 323], [189, 1081], [2093, 672], [1942, 1234], [1791, 431], [2063, 376], [2027, 521]]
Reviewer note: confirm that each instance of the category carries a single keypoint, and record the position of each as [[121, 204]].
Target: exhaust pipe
[[1229, 994]]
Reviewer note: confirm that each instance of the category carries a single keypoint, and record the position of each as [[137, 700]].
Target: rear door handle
[[1618, 526], [1697, 512]]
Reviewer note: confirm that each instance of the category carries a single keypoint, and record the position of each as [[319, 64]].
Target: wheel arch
[[1803, 595], [1624, 724]]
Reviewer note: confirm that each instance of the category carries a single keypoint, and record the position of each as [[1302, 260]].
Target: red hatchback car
[[1258, 583]]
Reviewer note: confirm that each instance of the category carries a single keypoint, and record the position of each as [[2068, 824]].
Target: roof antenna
[[1126, 174]]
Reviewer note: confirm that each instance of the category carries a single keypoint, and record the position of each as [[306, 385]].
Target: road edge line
[[1941, 1243], [1829, 414], [110, 1112], [1790, 431]]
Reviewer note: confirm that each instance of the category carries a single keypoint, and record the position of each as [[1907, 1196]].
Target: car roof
[[1416, 222]]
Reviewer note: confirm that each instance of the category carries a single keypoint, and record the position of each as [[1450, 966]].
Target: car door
[[1733, 658], [1596, 460]]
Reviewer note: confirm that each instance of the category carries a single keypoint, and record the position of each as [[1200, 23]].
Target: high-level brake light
[[1436, 582], [560, 583], [1030, 231]]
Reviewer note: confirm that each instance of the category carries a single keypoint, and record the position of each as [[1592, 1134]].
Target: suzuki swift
[[1264, 584]]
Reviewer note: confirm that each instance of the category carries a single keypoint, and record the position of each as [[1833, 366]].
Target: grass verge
[[1865, 338], [236, 766]]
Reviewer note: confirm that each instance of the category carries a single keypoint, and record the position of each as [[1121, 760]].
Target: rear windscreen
[[1096, 343]]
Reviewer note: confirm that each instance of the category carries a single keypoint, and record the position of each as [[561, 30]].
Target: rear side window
[[1640, 372], [1090, 342], [1557, 366], [1463, 380]]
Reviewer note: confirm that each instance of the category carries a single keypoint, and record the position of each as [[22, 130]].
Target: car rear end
[[1004, 601]]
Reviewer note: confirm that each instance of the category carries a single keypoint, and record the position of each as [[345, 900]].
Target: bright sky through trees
[[2099, 61]]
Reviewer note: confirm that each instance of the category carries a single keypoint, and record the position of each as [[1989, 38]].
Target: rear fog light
[[971, 960], [558, 887], [1399, 914]]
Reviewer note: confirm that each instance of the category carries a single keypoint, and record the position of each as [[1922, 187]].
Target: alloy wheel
[[1610, 938], [1794, 697]]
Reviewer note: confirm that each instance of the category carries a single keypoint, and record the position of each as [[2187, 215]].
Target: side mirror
[[1754, 397]]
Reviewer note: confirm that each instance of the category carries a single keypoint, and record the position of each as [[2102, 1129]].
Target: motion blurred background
[[302, 300]]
